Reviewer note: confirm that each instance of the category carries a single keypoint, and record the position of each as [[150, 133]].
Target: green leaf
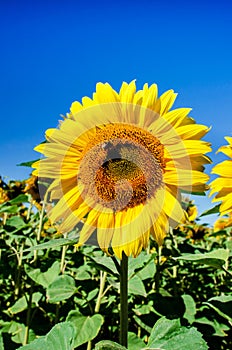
[[222, 298], [28, 164], [21, 304], [219, 328], [16, 221], [44, 278], [222, 305], [53, 243], [82, 274], [170, 335], [36, 345], [135, 343], [142, 324], [105, 263], [216, 258], [108, 345], [214, 210], [229, 246], [136, 286], [22, 198], [18, 332], [148, 271], [61, 337], [136, 264], [11, 209], [62, 288], [145, 309], [92, 294], [194, 193], [1, 342], [190, 308], [87, 328]]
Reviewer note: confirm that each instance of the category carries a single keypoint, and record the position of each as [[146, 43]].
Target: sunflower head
[[118, 163]]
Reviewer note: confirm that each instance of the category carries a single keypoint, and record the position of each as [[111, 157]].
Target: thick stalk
[[124, 300], [157, 275], [28, 319]]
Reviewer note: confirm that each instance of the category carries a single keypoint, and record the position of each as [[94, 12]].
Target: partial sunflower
[[118, 163], [190, 208], [223, 184], [222, 223], [3, 196]]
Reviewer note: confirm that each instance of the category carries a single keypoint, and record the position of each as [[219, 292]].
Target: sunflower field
[[58, 297], [103, 246]]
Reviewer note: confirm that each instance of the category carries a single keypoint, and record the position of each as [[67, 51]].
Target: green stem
[[157, 275], [28, 319], [38, 236], [57, 313], [124, 300], [62, 269], [101, 289], [62, 260], [29, 210], [226, 271], [19, 271]]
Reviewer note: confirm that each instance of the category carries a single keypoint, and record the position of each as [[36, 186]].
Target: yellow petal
[[224, 169], [177, 116], [150, 97], [167, 99], [76, 107], [226, 205], [185, 177], [89, 226], [195, 131], [105, 230], [127, 92], [172, 207], [105, 94], [160, 228], [69, 202], [219, 183]]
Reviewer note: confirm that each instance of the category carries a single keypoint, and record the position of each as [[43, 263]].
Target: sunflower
[[3, 196], [223, 184], [118, 162], [222, 223], [192, 212]]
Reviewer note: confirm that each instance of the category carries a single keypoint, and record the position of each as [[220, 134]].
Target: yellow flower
[[32, 188], [3, 196], [222, 223], [197, 232], [223, 184], [118, 163], [190, 209], [192, 212]]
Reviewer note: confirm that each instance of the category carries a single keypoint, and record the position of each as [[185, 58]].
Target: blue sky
[[55, 52]]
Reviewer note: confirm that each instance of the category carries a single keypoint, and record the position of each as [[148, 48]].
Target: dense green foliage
[[54, 296]]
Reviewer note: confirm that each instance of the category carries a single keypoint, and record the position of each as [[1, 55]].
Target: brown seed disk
[[121, 167]]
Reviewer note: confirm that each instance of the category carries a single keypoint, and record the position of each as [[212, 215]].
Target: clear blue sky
[[54, 52]]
